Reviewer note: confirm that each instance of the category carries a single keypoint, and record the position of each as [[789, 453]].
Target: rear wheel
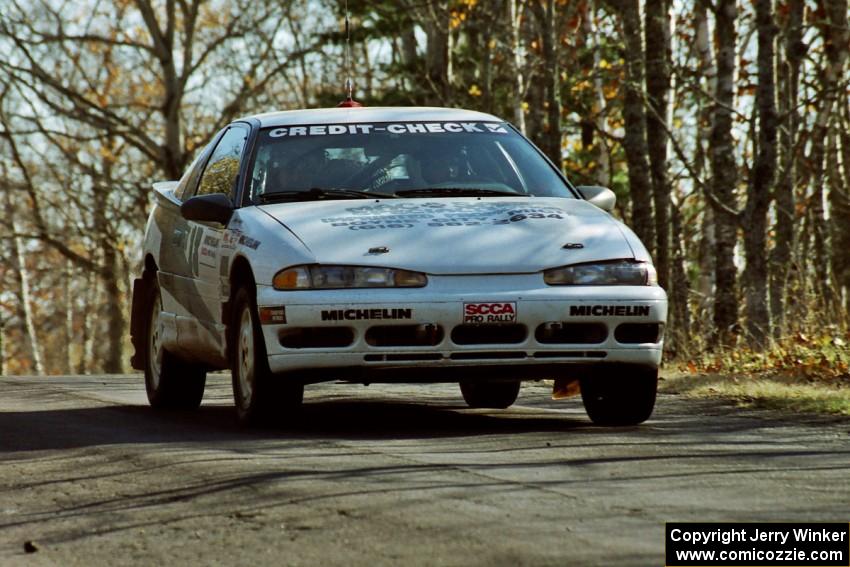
[[258, 395], [497, 395], [622, 394], [170, 382]]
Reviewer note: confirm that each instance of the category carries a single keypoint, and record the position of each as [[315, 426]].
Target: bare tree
[[780, 254], [658, 53], [514, 14], [160, 64], [634, 116], [544, 15], [838, 161], [832, 22], [435, 18], [23, 277], [760, 184], [724, 172]]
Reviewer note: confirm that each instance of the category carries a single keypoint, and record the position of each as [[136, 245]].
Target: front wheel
[[257, 393], [496, 395], [621, 394], [169, 382]]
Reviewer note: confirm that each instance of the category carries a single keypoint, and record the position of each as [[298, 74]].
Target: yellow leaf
[[603, 64], [474, 90]]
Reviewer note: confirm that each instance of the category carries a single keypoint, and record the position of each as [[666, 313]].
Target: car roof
[[371, 114]]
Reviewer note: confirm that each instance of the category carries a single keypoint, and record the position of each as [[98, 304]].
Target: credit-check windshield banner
[[399, 128]]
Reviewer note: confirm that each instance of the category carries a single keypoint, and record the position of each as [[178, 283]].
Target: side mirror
[[602, 197], [215, 207]]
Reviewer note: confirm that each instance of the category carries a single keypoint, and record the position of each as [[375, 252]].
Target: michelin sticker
[[382, 128]]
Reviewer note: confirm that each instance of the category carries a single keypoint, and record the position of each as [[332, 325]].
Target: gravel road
[[389, 475]]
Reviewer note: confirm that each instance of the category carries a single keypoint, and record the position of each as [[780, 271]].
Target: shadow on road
[[108, 425]]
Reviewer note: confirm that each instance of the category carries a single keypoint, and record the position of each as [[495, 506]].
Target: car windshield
[[400, 159]]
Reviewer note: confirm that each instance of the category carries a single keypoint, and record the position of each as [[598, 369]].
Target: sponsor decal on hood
[[458, 235], [436, 214]]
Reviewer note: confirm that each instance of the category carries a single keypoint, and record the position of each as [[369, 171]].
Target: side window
[[189, 181], [223, 166]]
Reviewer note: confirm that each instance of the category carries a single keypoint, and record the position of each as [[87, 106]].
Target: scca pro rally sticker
[[401, 128], [482, 313]]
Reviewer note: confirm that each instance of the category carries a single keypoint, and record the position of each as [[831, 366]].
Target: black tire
[[485, 394], [621, 394], [259, 396], [170, 382]]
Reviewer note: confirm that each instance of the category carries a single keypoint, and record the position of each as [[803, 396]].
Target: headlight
[[345, 277], [620, 272]]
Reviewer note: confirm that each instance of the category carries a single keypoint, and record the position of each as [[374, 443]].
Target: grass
[[800, 374], [776, 391]]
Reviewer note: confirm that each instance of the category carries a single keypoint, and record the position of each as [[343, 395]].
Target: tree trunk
[[834, 32], [634, 116], [552, 79], [69, 317], [681, 318], [438, 56], [369, 71], [839, 213], [534, 123], [89, 323], [724, 174], [515, 63], [837, 40], [783, 228], [840, 207], [26, 298], [551, 136], [658, 56], [2, 347], [601, 151], [113, 362], [760, 185], [408, 54], [707, 244], [408, 47], [487, 66]]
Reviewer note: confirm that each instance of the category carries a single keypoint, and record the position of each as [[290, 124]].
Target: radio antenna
[[349, 86]]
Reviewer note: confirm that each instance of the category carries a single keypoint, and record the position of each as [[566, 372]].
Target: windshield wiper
[[456, 192], [318, 194]]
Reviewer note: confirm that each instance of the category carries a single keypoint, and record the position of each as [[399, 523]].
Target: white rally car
[[391, 245]]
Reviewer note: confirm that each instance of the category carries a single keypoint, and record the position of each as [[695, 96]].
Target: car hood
[[465, 235]]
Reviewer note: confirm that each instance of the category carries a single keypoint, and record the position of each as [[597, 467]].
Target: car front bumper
[[550, 326]]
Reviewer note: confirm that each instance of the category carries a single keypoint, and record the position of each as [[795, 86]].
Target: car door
[[169, 232], [197, 282]]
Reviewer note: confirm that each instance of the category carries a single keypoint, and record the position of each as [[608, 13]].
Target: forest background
[[723, 127]]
